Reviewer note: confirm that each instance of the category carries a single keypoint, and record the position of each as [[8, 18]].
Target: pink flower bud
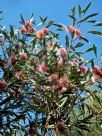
[[20, 75], [71, 29], [51, 44], [63, 81], [22, 30], [39, 35], [27, 23], [62, 52], [76, 62], [95, 78], [52, 77], [23, 56], [61, 127], [32, 131], [83, 69], [56, 85], [32, 29], [43, 68], [3, 85], [45, 31], [63, 89], [13, 59], [17, 46], [78, 33], [96, 70], [60, 62], [1, 41]]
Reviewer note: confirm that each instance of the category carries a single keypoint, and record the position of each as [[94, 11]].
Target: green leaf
[[62, 26], [86, 40], [84, 127], [95, 33], [95, 50], [73, 11], [86, 8], [5, 34], [33, 43], [22, 19], [67, 42], [58, 25], [50, 23], [73, 18], [43, 20], [79, 45], [88, 50], [98, 24], [11, 31], [86, 18], [91, 21], [79, 10], [62, 102]]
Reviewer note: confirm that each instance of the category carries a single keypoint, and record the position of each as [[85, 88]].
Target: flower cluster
[[27, 27], [74, 31]]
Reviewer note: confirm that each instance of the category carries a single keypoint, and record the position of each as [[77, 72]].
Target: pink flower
[[78, 33], [32, 131], [43, 68], [27, 23], [71, 29], [52, 77], [60, 62], [63, 81], [13, 59], [63, 89], [76, 62], [17, 46], [20, 75], [62, 52], [56, 85], [40, 34], [22, 30], [61, 127], [27, 27], [45, 31], [51, 44], [83, 69], [97, 71], [95, 78], [1, 41], [23, 56], [3, 84]]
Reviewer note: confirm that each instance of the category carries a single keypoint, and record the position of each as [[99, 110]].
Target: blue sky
[[56, 10]]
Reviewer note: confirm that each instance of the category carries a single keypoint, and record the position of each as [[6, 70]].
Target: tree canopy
[[46, 88]]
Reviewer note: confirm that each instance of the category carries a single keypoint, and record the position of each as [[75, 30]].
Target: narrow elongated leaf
[[86, 8], [88, 50], [73, 11], [67, 42], [95, 50], [50, 23], [95, 33], [22, 19], [11, 31], [86, 40], [91, 21], [73, 18], [98, 24], [79, 45], [43, 20], [79, 10], [86, 18]]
